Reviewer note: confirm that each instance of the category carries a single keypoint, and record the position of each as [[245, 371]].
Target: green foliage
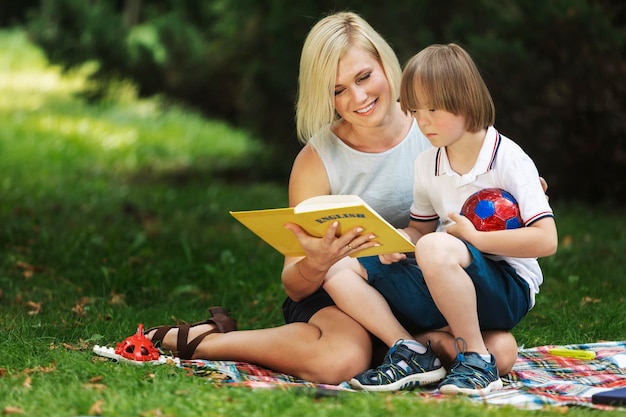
[[104, 229], [557, 94], [74, 32], [556, 68]]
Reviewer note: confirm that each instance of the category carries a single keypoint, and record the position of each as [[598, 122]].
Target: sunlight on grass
[[26, 78], [27, 90], [44, 116]]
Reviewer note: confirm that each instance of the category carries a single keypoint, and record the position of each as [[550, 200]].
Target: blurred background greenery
[[556, 69], [114, 207]]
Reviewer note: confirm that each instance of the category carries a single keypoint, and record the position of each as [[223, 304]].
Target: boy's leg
[[346, 283], [407, 363], [442, 259], [445, 261]]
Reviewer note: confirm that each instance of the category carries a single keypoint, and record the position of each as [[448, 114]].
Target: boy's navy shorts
[[502, 296]]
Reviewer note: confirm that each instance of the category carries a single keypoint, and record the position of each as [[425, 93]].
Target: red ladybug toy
[[137, 348]]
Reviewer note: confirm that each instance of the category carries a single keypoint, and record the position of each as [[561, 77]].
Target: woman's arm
[[302, 276]]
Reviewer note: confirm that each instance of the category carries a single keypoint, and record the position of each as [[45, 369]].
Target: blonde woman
[[357, 141]]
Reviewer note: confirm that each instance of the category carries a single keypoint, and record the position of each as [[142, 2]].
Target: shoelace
[[460, 352], [389, 370], [461, 369]]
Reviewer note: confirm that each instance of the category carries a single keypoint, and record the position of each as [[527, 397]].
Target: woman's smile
[[367, 108]]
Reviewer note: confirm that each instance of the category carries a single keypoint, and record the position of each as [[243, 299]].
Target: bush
[[556, 69]]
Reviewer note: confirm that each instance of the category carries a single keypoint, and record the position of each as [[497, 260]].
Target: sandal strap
[[181, 340], [222, 320], [187, 351], [160, 333]]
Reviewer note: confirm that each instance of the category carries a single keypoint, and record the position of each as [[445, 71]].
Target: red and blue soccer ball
[[492, 209]]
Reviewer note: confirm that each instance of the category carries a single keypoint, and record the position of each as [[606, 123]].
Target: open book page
[[324, 202]]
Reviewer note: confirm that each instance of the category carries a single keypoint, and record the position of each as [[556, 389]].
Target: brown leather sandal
[[220, 318]]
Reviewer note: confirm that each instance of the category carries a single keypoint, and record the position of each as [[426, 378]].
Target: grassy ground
[[116, 213]]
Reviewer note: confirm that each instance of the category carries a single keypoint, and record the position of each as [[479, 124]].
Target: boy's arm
[[538, 240], [413, 232]]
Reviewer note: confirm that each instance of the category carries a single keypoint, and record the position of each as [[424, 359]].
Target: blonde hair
[[447, 78], [325, 45]]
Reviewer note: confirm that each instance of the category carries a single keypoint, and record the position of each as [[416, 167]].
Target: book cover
[[315, 215], [610, 397]]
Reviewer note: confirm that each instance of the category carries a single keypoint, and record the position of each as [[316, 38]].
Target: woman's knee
[[500, 343], [334, 366], [503, 346], [344, 347]]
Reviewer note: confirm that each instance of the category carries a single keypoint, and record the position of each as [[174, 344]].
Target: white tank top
[[384, 180]]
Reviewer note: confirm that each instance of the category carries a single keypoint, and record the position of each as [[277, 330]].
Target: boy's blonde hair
[[446, 78], [325, 45]]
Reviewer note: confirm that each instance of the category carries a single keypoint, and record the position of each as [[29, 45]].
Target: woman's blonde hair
[[325, 45], [446, 77]]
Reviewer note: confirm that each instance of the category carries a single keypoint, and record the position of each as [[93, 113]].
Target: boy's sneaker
[[402, 368], [471, 375]]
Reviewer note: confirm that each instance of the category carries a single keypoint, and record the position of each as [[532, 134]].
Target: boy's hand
[[390, 258], [461, 228]]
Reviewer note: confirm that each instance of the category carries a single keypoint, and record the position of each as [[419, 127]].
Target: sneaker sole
[[408, 382], [451, 389]]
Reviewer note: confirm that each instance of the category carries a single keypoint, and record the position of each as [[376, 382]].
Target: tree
[[556, 69]]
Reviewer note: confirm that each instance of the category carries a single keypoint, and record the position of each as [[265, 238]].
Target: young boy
[[465, 280]]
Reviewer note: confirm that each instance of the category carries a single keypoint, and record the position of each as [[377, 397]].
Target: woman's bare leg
[[330, 348], [500, 343]]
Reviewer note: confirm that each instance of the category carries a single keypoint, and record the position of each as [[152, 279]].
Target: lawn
[[116, 213]]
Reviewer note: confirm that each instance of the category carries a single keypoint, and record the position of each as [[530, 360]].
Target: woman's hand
[[304, 275], [330, 248]]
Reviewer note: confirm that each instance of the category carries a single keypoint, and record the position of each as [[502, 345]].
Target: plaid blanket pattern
[[538, 378], [252, 376]]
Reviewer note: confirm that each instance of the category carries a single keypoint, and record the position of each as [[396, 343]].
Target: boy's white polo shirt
[[501, 163]]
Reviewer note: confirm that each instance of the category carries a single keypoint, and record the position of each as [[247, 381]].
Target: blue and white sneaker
[[470, 374], [402, 368]]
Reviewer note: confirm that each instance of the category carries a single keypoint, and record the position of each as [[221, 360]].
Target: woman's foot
[[167, 336], [183, 340]]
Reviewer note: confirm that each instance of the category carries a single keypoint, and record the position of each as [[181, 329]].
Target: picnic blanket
[[538, 379]]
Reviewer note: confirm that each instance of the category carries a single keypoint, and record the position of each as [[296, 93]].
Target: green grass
[[116, 213]]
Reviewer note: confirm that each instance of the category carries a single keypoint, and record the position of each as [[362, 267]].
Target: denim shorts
[[502, 296]]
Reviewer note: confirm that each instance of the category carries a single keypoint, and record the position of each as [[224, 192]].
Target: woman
[[362, 143]]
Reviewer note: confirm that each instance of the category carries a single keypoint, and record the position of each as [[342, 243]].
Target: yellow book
[[315, 215]]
